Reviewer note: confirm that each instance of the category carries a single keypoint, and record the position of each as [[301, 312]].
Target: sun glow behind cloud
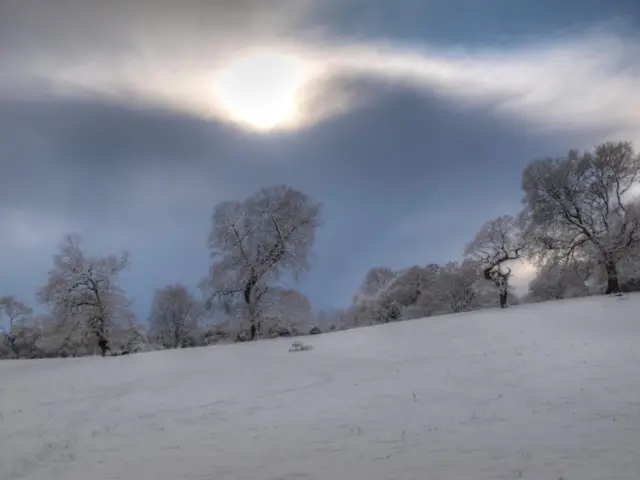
[[262, 90], [580, 83]]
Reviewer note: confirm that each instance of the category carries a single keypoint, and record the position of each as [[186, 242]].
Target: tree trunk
[[503, 299], [103, 341], [10, 342], [612, 278], [248, 300], [503, 285]]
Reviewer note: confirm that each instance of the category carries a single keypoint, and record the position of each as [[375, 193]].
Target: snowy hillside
[[540, 392]]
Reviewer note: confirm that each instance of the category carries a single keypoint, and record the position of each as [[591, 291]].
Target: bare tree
[[15, 311], [175, 317], [84, 295], [580, 203], [257, 242], [498, 243]]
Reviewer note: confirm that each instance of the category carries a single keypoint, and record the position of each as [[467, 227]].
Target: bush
[[243, 336], [279, 331], [315, 330], [285, 333], [215, 334], [630, 285]]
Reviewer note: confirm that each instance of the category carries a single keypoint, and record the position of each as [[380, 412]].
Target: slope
[[542, 391]]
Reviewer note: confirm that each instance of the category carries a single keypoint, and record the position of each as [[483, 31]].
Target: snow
[[543, 391]]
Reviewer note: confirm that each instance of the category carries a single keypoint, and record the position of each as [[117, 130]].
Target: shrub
[[315, 330], [243, 336]]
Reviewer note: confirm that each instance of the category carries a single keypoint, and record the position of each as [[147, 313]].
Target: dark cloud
[[68, 150]]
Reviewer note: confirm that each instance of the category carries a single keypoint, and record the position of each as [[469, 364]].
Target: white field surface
[[540, 392]]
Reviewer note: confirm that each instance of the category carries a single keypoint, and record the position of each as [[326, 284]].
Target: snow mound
[[300, 347], [536, 392]]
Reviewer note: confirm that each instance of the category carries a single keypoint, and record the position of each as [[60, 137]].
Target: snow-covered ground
[[538, 392]]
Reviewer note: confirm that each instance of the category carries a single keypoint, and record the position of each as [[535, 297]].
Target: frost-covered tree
[[338, 318], [457, 288], [629, 270], [175, 317], [13, 310], [555, 281], [409, 285], [15, 313], [24, 343], [37, 337], [498, 243], [5, 349], [419, 292], [376, 280], [387, 298], [372, 303], [255, 244], [580, 205], [83, 293], [131, 338], [284, 311]]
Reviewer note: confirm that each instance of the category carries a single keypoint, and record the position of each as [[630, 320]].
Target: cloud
[[90, 156], [135, 51], [172, 58], [584, 83], [59, 29]]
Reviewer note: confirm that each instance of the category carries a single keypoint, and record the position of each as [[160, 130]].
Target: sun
[[261, 90]]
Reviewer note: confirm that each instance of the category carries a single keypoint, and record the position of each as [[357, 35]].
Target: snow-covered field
[[538, 392]]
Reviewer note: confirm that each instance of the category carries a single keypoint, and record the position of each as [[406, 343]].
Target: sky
[[411, 121]]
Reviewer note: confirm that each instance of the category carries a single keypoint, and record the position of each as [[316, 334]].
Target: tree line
[[579, 225]]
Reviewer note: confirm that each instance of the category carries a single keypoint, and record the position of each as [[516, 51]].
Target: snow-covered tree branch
[[15, 312], [498, 243], [580, 204], [255, 244], [84, 295], [175, 317]]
